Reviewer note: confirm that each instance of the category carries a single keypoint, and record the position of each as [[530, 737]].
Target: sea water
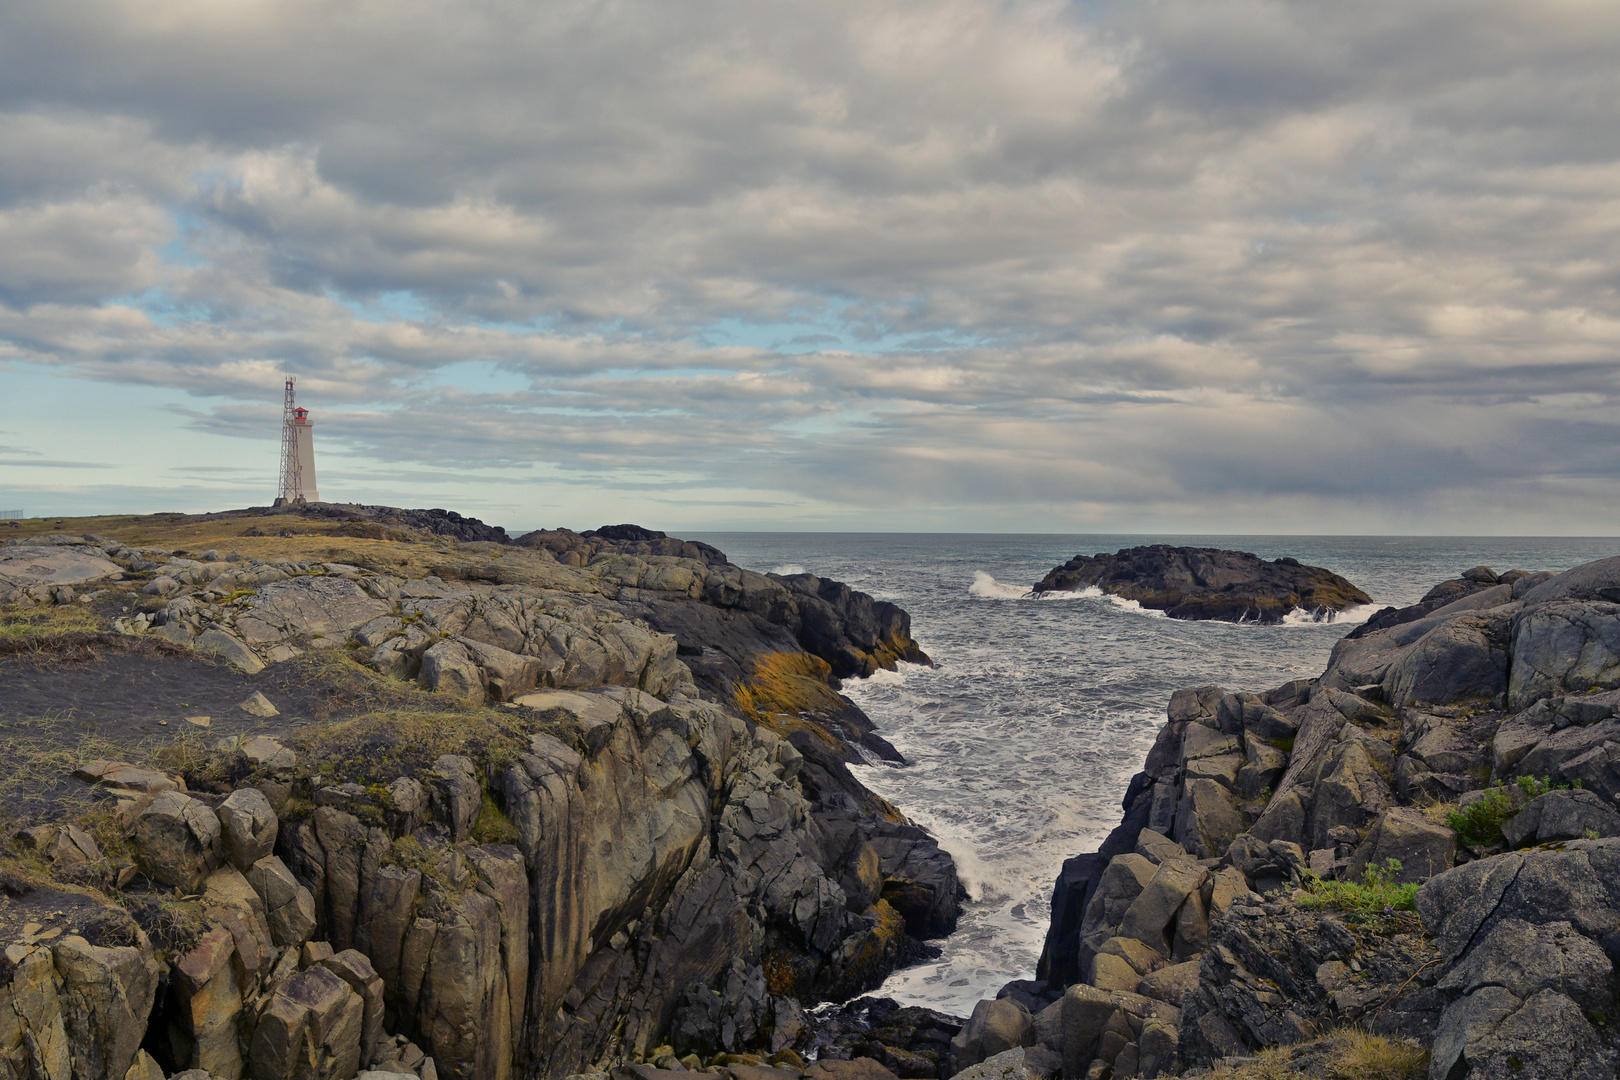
[[1020, 743]]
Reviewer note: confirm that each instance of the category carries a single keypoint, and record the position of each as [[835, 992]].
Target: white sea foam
[[789, 569], [986, 587], [1348, 617]]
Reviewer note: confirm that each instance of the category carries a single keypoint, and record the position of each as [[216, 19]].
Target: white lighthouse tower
[[297, 454]]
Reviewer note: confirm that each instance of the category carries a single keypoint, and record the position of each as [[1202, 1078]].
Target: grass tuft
[[1480, 822], [1376, 895]]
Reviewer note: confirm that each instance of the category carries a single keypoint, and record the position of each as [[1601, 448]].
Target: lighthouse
[[297, 454]]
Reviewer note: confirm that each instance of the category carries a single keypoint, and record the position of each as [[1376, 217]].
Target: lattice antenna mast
[[292, 474]]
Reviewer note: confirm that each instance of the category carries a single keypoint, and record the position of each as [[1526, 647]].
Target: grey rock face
[[317, 606], [449, 669], [1526, 959], [177, 840], [1546, 1036], [1423, 848], [1561, 815], [1459, 1040], [22, 565], [1564, 645]]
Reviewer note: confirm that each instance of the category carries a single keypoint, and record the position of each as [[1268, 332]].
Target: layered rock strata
[[1187, 938], [1208, 583], [666, 860]]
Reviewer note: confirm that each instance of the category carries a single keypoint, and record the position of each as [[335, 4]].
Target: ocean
[[1020, 743]]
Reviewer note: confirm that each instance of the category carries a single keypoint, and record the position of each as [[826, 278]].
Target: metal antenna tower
[[292, 474]]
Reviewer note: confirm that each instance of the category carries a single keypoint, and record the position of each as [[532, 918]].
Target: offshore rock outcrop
[[630, 858], [1208, 583], [1195, 933]]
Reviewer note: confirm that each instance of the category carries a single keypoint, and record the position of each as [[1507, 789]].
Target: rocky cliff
[[459, 809], [1414, 857], [1208, 583]]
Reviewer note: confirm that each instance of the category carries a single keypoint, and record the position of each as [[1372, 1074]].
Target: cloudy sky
[[1174, 265]]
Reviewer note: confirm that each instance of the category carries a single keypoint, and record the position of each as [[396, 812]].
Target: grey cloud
[[1231, 254]]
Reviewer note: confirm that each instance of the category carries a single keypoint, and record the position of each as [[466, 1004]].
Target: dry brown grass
[[1349, 1054]]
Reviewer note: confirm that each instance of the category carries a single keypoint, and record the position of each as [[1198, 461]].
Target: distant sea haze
[[1021, 742]]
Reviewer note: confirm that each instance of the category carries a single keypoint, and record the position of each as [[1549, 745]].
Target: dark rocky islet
[[1208, 583]]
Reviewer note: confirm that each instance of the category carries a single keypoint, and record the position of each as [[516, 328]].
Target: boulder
[[1149, 918], [311, 1027], [208, 991], [995, 1026], [177, 840], [1561, 815], [248, 824], [1457, 660], [229, 648], [1423, 848], [1007, 1065], [449, 668], [354, 969], [256, 704], [1170, 984], [289, 907], [1092, 1017]]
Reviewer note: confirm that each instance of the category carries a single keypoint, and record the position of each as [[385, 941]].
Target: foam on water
[[789, 569], [986, 587], [1021, 742]]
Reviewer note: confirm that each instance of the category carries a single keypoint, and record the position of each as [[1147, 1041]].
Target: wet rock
[[177, 840], [1207, 583]]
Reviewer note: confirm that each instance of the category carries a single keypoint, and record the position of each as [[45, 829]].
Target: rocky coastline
[[1208, 583], [459, 806], [1407, 866]]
